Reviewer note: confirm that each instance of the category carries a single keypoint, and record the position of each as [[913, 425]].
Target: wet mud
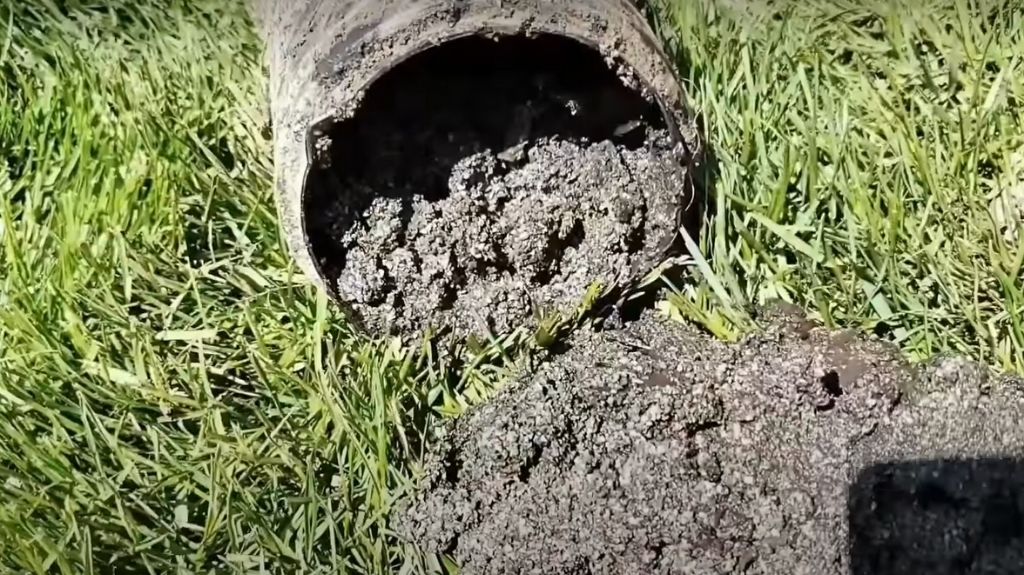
[[656, 449]]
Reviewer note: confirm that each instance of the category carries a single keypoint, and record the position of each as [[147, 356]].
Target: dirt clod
[[655, 449]]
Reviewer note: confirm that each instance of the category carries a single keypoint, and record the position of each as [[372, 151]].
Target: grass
[[870, 166], [173, 398]]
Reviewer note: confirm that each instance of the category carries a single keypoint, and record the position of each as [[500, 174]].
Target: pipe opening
[[479, 173]]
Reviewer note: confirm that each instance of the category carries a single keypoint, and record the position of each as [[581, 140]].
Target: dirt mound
[[655, 449]]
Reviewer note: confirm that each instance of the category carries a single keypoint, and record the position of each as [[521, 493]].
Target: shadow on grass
[[946, 516]]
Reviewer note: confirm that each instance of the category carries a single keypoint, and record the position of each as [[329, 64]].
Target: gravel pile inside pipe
[[656, 449], [482, 195]]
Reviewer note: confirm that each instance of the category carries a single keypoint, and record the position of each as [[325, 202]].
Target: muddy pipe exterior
[[325, 54]]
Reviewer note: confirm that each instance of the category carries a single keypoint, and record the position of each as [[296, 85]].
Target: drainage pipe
[[325, 55]]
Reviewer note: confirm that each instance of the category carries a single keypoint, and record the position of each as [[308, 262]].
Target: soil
[[483, 195], [656, 449]]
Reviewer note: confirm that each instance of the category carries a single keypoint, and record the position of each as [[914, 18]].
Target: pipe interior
[[451, 101]]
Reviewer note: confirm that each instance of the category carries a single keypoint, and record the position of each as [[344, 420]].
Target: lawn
[[174, 397]]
